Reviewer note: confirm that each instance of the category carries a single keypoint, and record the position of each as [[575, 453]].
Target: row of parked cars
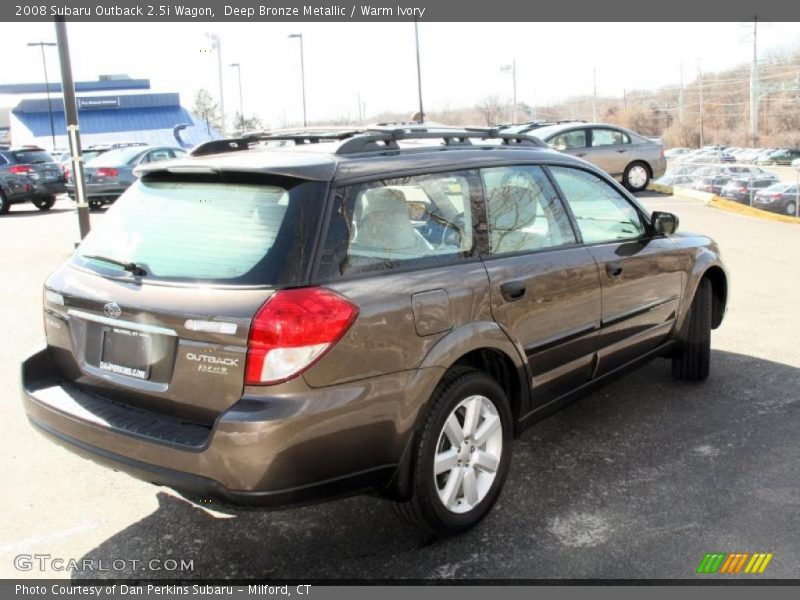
[[745, 184], [31, 174], [724, 154]]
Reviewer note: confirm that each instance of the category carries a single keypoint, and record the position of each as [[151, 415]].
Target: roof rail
[[372, 139], [298, 137]]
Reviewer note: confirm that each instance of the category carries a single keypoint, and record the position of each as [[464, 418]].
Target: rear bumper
[[261, 451], [94, 191], [49, 188], [659, 167]]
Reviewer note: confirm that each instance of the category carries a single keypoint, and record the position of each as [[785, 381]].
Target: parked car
[[711, 156], [742, 189], [268, 325], [779, 197], [111, 173], [711, 184], [625, 155], [28, 174], [779, 157], [674, 153]]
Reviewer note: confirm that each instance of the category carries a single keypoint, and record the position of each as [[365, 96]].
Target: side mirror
[[664, 223]]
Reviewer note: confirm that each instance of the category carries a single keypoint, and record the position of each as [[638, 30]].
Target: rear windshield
[[32, 157], [232, 232]]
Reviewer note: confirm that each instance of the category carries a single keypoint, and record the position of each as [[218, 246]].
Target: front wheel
[[463, 455], [636, 176], [95, 204], [44, 203], [693, 360], [791, 209]]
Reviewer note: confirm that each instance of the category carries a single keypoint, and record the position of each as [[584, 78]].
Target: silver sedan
[[629, 157]]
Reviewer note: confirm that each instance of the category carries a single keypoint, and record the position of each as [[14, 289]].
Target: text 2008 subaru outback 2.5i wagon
[[378, 309]]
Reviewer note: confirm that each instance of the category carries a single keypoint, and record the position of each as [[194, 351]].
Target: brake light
[[293, 330], [20, 169], [67, 173], [106, 172]]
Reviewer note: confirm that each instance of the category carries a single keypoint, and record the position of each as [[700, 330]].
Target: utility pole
[[419, 71], [73, 130], [754, 91], [594, 94], [512, 68], [680, 98], [702, 116], [624, 99], [241, 102], [302, 74]]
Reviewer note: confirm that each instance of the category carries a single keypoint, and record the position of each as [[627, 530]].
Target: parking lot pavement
[[638, 480]]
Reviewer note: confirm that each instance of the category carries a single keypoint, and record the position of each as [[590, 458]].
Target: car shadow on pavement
[[645, 467], [34, 212]]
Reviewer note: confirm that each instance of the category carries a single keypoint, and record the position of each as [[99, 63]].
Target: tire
[[95, 205], [694, 357], [791, 209], [462, 392], [44, 203], [636, 176], [5, 205]]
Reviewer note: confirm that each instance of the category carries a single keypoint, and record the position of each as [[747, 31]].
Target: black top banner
[[399, 10]]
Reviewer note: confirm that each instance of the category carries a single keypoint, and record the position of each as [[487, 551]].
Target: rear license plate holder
[[126, 352]]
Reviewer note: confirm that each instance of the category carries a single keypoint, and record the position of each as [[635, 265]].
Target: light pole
[[217, 45], [73, 128], [302, 74], [47, 89], [512, 68], [241, 102], [419, 71]]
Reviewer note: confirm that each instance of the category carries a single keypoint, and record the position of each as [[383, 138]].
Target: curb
[[741, 209]]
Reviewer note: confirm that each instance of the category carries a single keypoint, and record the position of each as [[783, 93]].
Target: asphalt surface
[[638, 480]]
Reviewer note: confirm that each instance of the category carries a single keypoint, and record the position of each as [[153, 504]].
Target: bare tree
[[490, 108]]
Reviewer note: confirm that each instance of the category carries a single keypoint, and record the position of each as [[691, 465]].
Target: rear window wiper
[[131, 267]]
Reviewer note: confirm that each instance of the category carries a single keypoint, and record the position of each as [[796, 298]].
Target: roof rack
[[372, 139]]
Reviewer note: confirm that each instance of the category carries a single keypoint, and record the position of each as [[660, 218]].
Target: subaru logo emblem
[[112, 310]]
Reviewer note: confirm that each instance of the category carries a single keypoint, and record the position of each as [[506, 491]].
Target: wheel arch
[[484, 346]]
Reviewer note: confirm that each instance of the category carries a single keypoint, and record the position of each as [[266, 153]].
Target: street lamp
[[47, 89], [302, 74], [512, 68], [216, 44], [241, 102]]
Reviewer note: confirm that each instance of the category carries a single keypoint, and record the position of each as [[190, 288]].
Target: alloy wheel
[[468, 454]]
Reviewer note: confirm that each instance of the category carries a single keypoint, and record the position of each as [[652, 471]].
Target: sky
[[376, 61]]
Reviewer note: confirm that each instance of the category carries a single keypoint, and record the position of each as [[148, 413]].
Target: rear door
[[610, 149], [545, 287], [641, 274]]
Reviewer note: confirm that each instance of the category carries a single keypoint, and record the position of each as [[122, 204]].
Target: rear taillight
[[106, 172], [294, 329], [20, 169], [67, 173]]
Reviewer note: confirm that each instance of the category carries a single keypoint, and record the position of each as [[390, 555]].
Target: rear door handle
[[512, 290], [614, 269]]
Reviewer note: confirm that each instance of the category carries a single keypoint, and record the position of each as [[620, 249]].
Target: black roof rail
[[372, 139], [298, 137]]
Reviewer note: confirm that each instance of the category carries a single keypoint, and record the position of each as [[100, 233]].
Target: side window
[[609, 137], [3, 160], [602, 213], [570, 139], [157, 156], [419, 221], [524, 211]]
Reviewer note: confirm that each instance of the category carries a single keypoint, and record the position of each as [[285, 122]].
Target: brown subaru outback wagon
[[285, 317]]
